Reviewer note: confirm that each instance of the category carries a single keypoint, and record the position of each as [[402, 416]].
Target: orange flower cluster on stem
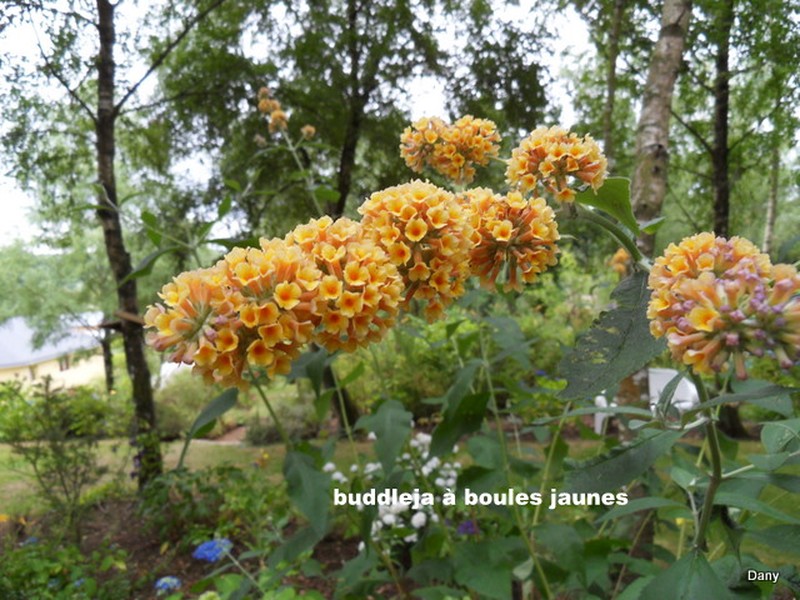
[[550, 157], [717, 300], [511, 234], [451, 150]]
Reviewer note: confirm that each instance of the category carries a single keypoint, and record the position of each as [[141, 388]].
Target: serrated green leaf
[[618, 344], [614, 198], [690, 578], [772, 397], [391, 424], [622, 464], [308, 489]]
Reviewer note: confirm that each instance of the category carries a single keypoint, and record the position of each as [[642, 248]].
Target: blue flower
[[31, 540], [167, 584], [212, 550], [468, 528]]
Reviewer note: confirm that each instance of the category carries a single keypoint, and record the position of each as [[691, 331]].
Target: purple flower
[[167, 584], [212, 550], [468, 528]]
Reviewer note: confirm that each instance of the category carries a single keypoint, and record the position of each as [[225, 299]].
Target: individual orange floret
[[359, 290], [435, 233], [511, 234], [717, 300], [451, 150], [550, 157]]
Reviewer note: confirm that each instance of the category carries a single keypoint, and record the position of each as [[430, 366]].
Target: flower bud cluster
[[450, 150], [278, 119], [717, 300], [550, 158]]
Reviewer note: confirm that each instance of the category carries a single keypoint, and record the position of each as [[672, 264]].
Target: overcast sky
[[428, 100]]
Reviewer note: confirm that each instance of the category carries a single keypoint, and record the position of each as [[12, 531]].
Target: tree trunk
[[772, 199], [649, 185], [722, 184], [149, 456], [108, 360], [611, 82]]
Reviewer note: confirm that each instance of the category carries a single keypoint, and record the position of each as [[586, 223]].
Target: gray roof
[[16, 344]]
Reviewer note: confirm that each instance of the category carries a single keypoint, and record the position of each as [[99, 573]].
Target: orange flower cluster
[[268, 105], [548, 157], [718, 299], [451, 150], [324, 283], [510, 233], [426, 233], [620, 262], [358, 291]]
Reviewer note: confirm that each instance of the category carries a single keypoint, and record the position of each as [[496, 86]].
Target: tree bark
[[772, 199], [649, 185], [611, 82], [150, 463], [720, 154], [108, 360]]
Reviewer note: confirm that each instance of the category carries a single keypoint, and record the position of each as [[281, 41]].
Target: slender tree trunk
[[108, 360], [649, 185], [720, 155], [772, 199], [150, 463], [611, 82]]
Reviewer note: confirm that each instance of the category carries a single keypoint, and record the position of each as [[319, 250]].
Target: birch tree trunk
[[649, 185], [611, 82]]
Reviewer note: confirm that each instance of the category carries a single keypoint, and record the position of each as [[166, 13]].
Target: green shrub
[[56, 433], [298, 419]]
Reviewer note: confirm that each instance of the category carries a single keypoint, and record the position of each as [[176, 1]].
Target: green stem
[[347, 428], [507, 468], [715, 477], [243, 570], [281, 431], [598, 219], [309, 183]]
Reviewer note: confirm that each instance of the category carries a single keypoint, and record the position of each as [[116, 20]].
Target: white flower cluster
[[399, 521]]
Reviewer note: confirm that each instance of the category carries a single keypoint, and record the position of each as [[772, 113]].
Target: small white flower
[[370, 468], [450, 482], [418, 520], [376, 527], [434, 462], [457, 465], [405, 456], [423, 438], [371, 436], [399, 508], [410, 538], [455, 448], [338, 476], [389, 519], [439, 482], [353, 468], [329, 467], [361, 546], [426, 470], [434, 518]]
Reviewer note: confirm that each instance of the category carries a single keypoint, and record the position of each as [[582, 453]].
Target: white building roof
[[17, 350]]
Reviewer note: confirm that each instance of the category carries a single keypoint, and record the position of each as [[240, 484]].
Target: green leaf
[[205, 420], [622, 464], [353, 375], [308, 489], [312, 365], [753, 505], [326, 194], [231, 243], [618, 343], [638, 504], [225, 206], [391, 425], [783, 538], [233, 185], [485, 451], [614, 198], [652, 225], [690, 578], [149, 219], [461, 417], [772, 397], [145, 266], [485, 567], [780, 436], [305, 539], [590, 410]]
